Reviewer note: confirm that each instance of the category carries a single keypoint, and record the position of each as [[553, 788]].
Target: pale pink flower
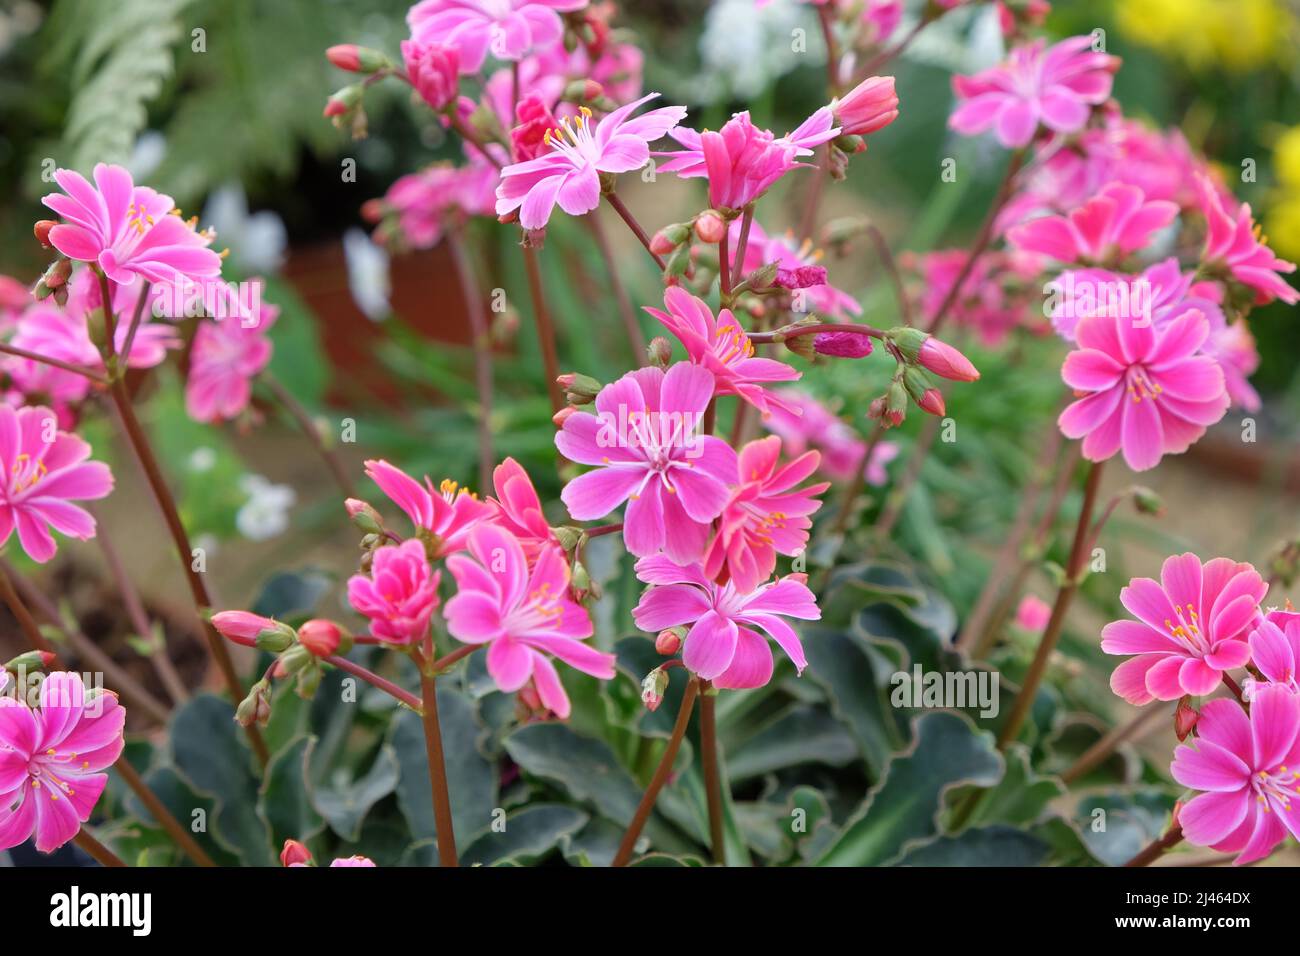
[[52, 761], [880, 18], [1107, 227], [524, 615], [765, 515], [1037, 85], [446, 514], [721, 345], [433, 70], [508, 28], [1033, 614], [354, 860], [868, 107], [42, 471], [798, 268], [580, 151], [1191, 627], [518, 509], [127, 230], [1233, 244], [645, 441], [1248, 769], [804, 424], [1145, 391], [225, 358], [723, 644], [399, 595]]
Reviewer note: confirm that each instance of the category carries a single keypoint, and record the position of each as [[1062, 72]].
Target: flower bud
[[243, 627], [660, 352], [364, 516], [1185, 717], [843, 344], [568, 536], [679, 263], [256, 707], [30, 661], [710, 226], [945, 361], [42, 231], [563, 415], [324, 638], [895, 404], [309, 679], [356, 59], [343, 101], [907, 340], [295, 854], [653, 687], [931, 401], [868, 107], [764, 277], [667, 239], [578, 389], [273, 639], [1148, 502], [668, 642]]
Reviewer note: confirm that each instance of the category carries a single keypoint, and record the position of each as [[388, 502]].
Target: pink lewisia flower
[[416, 208], [448, 513], [524, 615], [797, 268], [1190, 628], [225, 358], [127, 230], [518, 509], [400, 594], [764, 516], [52, 761], [355, 860], [1233, 243], [1145, 391], [722, 645], [646, 443], [433, 70], [721, 346], [42, 471], [509, 28], [1109, 226], [1053, 86], [1248, 768], [580, 151], [806, 424], [1275, 652], [868, 107]]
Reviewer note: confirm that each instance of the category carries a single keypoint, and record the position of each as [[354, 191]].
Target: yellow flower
[[1283, 218], [1237, 35]]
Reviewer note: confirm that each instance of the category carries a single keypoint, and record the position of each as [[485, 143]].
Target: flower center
[[574, 141], [1140, 385], [1186, 629], [26, 472], [1275, 789]]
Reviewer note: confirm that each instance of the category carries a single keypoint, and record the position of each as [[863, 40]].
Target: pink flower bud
[[1185, 717], [931, 401], [660, 351], [668, 642], [434, 71], [710, 227], [295, 854], [42, 231], [321, 637], [560, 417], [345, 56], [945, 361], [843, 344], [661, 243], [242, 627], [335, 107], [868, 107]]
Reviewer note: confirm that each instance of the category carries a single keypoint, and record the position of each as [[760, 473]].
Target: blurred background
[[218, 102]]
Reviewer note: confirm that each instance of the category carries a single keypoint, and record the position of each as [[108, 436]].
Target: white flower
[[266, 513], [368, 276]]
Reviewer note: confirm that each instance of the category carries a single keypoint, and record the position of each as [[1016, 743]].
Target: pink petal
[[710, 645], [510, 663], [1223, 722], [1209, 767], [1274, 723], [751, 665], [1212, 817], [549, 689]]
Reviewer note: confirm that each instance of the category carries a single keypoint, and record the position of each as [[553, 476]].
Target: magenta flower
[[434, 71], [1233, 244], [1037, 86], [1275, 652], [127, 230], [355, 860], [1191, 627], [52, 760], [524, 615], [1033, 614], [741, 160], [508, 28], [798, 268], [765, 515], [806, 424], [446, 514], [400, 594], [1145, 391], [225, 358], [580, 151], [1107, 227], [646, 443], [722, 645], [721, 346], [868, 107], [416, 208], [42, 471], [1248, 769], [517, 508]]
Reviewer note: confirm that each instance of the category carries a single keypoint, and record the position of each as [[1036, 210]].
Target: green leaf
[[345, 805], [904, 806], [284, 801], [980, 847], [586, 769], [189, 807], [664, 859], [289, 593], [1115, 826], [799, 735], [1021, 796], [529, 835]]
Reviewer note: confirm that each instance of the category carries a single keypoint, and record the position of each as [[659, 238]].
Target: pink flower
[[645, 441], [1190, 628], [532, 136], [1109, 226], [1145, 391], [1275, 652], [518, 509], [1248, 768], [524, 615], [880, 19], [417, 206], [52, 761], [1233, 244], [127, 230], [868, 107], [447, 514], [42, 471], [225, 358], [797, 268], [805, 423], [433, 70], [722, 645], [994, 296], [1053, 86], [400, 594], [764, 516], [721, 346], [509, 28], [741, 160], [1033, 614], [570, 173], [354, 860]]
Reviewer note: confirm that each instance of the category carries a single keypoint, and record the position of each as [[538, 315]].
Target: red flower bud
[[662, 244], [1185, 717], [931, 401], [321, 637], [42, 231], [295, 854], [345, 56], [668, 642], [560, 417]]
